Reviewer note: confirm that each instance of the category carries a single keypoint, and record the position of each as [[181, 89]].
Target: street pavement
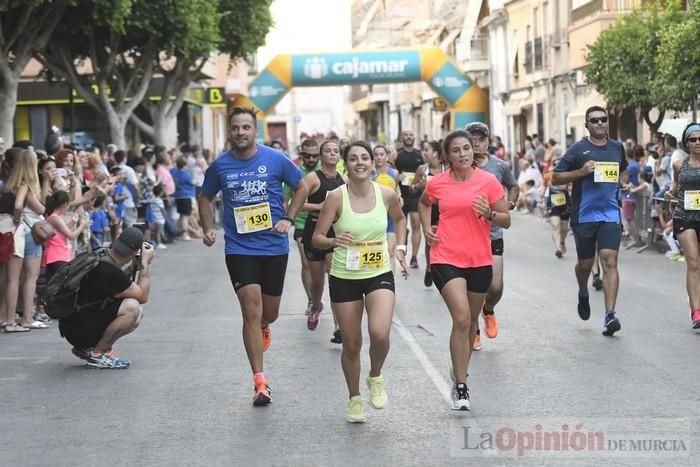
[[186, 400]]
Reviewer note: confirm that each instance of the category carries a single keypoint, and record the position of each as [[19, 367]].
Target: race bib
[[558, 199], [408, 178], [606, 172], [691, 200], [365, 256], [253, 218]]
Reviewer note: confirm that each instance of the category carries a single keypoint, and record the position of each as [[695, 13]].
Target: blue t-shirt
[[99, 223], [633, 174], [247, 182], [119, 191], [183, 184], [590, 201]]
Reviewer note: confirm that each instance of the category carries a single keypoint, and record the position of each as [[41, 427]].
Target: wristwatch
[[493, 215]]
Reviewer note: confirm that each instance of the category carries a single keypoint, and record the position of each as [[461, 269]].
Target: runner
[[558, 203], [309, 162], [471, 200], [432, 155], [319, 183], [480, 136], [407, 162], [360, 274], [685, 187], [255, 227], [594, 165], [389, 177]]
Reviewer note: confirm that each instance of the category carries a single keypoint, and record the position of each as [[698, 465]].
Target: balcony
[[473, 55]]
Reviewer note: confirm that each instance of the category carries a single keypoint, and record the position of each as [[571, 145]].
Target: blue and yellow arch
[[430, 64]]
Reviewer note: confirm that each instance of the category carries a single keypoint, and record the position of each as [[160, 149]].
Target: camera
[[62, 172]]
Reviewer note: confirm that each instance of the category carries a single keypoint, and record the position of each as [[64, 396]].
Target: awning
[[515, 107], [363, 104], [674, 126]]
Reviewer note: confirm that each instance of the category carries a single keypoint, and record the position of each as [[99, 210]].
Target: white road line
[[440, 383]]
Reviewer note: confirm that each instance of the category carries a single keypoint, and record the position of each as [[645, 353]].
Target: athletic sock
[[583, 293]]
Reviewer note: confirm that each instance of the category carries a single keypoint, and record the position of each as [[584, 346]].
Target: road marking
[[443, 387]]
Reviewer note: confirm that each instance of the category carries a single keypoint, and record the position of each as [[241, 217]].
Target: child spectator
[[100, 223], [119, 196], [157, 208], [58, 251]]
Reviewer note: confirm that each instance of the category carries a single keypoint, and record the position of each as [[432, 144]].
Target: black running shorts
[[600, 235], [268, 271], [351, 290], [681, 225], [184, 206], [478, 279]]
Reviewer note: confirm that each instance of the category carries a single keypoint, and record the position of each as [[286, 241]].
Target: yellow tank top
[[369, 255]]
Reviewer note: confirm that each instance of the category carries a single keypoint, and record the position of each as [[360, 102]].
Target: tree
[[203, 27], [106, 50], [26, 25], [622, 61], [679, 63]]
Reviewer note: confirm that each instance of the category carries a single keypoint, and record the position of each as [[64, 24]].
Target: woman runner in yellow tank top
[[360, 272]]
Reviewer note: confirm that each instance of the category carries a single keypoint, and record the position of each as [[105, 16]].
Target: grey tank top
[[688, 179]]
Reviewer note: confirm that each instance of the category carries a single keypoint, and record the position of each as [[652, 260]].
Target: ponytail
[[55, 201]]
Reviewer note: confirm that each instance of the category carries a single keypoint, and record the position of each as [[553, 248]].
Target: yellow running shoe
[[356, 414], [377, 394]]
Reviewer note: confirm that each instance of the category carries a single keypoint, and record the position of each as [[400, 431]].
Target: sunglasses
[[598, 120], [694, 140]]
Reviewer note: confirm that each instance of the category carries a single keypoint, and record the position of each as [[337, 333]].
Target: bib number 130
[[253, 218]]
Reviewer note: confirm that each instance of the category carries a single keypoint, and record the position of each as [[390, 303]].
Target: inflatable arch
[[467, 101]]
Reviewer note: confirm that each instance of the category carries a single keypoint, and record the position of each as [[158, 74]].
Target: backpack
[[62, 290]]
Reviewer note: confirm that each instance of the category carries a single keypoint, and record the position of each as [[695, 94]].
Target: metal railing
[[647, 227]]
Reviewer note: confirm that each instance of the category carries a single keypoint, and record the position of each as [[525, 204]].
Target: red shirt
[[465, 236]]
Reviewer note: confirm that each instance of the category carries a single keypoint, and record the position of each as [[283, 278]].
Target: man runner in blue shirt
[[594, 166], [255, 229]]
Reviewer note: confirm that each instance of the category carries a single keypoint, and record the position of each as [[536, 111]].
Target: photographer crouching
[[97, 298]]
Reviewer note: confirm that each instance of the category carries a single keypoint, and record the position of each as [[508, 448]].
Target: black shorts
[[410, 205], [298, 233], [596, 235], [681, 225], [352, 290], [184, 206], [142, 211], [268, 271], [497, 247], [85, 328], [478, 279], [311, 253], [562, 212]]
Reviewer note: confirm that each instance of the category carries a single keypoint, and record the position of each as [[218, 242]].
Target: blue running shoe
[[106, 361], [611, 324]]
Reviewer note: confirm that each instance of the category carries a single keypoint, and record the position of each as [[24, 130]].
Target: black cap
[[129, 242]]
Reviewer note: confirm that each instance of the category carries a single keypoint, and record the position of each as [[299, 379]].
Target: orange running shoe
[[267, 337], [491, 325], [477, 342], [262, 394]]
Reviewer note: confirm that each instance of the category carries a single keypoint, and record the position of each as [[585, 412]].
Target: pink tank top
[[57, 248]]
